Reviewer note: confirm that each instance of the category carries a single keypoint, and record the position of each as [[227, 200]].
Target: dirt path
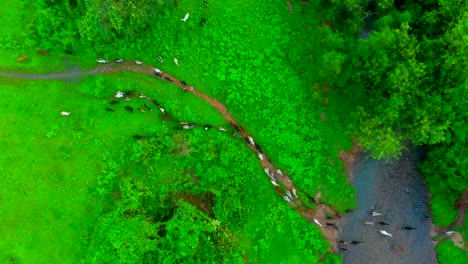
[[283, 185], [397, 191]]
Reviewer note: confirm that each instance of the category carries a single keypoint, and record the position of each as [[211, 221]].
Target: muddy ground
[[397, 190]]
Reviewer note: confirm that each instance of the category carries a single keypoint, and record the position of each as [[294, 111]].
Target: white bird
[[274, 183], [251, 141], [176, 62], [376, 214], [267, 171], [64, 113], [143, 96], [119, 94], [186, 17], [286, 199], [138, 62], [449, 233], [222, 128], [317, 222], [158, 71], [100, 60], [368, 223], [260, 156], [279, 172], [162, 110], [385, 233], [128, 98], [288, 193]]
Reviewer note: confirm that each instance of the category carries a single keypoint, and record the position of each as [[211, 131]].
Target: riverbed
[[396, 190]]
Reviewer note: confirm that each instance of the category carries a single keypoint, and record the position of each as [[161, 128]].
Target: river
[[397, 190]]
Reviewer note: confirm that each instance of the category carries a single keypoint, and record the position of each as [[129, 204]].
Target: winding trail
[[281, 182]]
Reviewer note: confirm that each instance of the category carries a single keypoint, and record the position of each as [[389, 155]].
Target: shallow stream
[[396, 190]]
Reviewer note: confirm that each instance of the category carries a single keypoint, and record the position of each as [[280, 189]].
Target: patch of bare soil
[[204, 202], [349, 158]]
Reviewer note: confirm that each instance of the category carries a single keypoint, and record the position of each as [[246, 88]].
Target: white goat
[[385, 233], [317, 222], [186, 17]]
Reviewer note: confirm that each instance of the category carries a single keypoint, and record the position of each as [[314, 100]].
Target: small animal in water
[[330, 224], [176, 61], [383, 223], [109, 109], [113, 102], [354, 242], [129, 109], [343, 242], [376, 214], [186, 17], [64, 113], [385, 233], [343, 249], [409, 228], [400, 250], [368, 222]]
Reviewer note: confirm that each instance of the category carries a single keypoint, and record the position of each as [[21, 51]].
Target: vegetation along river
[[396, 190]]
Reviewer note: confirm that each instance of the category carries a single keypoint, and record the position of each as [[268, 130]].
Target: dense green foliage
[[409, 77]]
